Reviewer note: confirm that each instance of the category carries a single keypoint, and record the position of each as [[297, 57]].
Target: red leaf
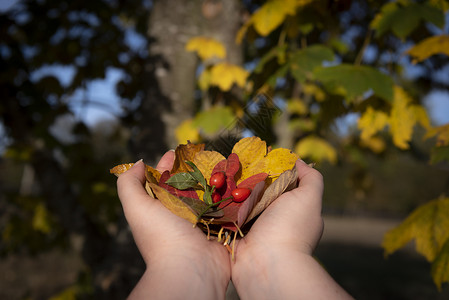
[[251, 181], [189, 193]]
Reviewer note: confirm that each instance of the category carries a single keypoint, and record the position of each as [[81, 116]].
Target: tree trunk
[[171, 83]]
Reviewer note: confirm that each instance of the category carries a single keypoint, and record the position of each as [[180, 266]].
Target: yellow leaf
[[278, 161], [317, 149], [371, 122], [440, 266], [187, 132], [314, 90], [427, 225], [270, 15], [174, 204], [206, 161], [206, 48], [251, 152], [150, 171], [430, 46], [224, 75], [421, 116], [442, 133], [402, 119], [117, 170]]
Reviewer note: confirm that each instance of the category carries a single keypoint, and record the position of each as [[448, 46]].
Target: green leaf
[[199, 177], [276, 52], [182, 181], [402, 20], [427, 225], [303, 62], [440, 266], [214, 119], [356, 80]]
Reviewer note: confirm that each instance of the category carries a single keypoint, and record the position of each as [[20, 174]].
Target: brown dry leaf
[[117, 170], [174, 204], [286, 182], [152, 175], [185, 153]]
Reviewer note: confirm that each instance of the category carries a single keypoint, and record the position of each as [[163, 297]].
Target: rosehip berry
[[240, 194], [216, 197], [218, 179]]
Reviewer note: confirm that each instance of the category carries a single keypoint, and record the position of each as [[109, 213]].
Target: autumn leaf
[[188, 192], [251, 152], [279, 160], [174, 204], [287, 181], [427, 225], [206, 48], [297, 106], [185, 153], [316, 149], [430, 46], [375, 144], [371, 122], [440, 266], [224, 75]]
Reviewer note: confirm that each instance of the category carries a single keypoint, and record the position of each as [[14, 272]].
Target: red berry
[[240, 194], [218, 179], [216, 197]]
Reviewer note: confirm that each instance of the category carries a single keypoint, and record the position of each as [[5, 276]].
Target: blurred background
[[87, 85]]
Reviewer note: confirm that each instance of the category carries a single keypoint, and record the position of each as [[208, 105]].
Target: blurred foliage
[[308, 67]]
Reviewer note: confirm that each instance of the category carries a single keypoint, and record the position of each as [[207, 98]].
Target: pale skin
[[273, 261]]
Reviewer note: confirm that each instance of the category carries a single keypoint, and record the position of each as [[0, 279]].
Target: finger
[[310, 188], [130, 186], [166, 162]]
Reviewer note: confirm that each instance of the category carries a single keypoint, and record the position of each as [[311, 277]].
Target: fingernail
[[172, 150]]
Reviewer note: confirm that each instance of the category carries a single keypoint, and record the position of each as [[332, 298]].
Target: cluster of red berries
[[219, 181]]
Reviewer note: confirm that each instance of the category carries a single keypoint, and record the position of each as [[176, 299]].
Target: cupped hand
[[163, 237]]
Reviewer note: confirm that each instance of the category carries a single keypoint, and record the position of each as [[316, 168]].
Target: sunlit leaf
[[174, 204], [427, 225], [304, 61], [317, 149], [357, 80], [297, 106], [251, 152], [214, 119], [186, 131], [278, 161], [371, 122], [440, 266], [185, 153], [204, 80], [206, 48], [225, 75], [430, 46], [375, 144], [403, 19]]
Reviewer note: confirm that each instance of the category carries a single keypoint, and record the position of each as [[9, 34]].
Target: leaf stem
[[212, 205]]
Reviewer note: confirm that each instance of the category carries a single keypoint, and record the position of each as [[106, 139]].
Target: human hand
[[274, 260], [180, 260]]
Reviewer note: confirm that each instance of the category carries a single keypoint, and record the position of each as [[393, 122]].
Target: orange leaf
[[185, 153]]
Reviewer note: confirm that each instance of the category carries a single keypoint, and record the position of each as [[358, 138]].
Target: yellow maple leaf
[[375, 144], [297, 106], [251, 152], [279, 160], [317, 149], [371, 122], [204, 80], [224, 75], [430, 46], [427, 225], [187, 132], [206, 48]]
